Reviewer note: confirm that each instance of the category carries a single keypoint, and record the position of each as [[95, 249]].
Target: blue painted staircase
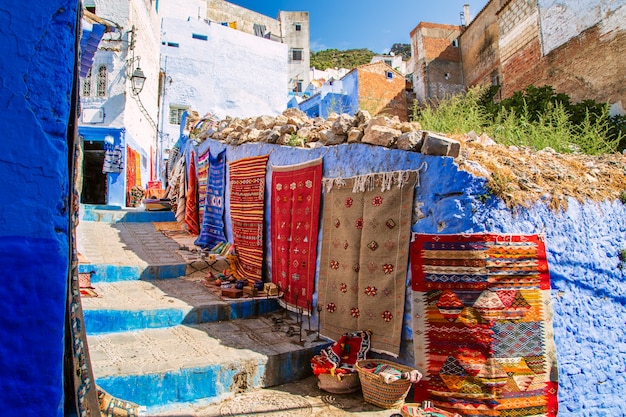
[[160, 337]]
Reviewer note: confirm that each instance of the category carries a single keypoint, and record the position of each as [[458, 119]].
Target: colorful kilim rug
[[482, 324], [203, 172], [295, 202], [191, 210], [365, 249], [131, 173], [247, 194], [212, 230]]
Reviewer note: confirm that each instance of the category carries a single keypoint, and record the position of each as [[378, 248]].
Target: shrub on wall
[[534, 117]]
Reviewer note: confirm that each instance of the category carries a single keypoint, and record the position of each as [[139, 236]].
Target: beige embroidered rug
[[363, 262]]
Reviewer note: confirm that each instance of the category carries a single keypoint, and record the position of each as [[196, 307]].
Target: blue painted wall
[[583, 245], [36, 68], [116, 182]]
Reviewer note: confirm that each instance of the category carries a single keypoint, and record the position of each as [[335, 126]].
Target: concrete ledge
[[102, 321], [115, 214], [115, 273], [208, 362]]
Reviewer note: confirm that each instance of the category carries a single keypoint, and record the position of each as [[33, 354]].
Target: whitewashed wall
[[231, 73], [183, 9], [561, 20], [112, 53], [141, 125]]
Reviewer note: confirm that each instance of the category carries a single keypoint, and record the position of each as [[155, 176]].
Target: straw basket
[[339, 384], [376, 391]]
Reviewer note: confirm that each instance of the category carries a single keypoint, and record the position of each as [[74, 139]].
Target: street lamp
[[137, 80]]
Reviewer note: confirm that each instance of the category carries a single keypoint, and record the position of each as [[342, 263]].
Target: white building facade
[[112, 113], [211, 68]]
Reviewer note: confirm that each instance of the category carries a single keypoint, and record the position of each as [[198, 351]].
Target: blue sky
[[371, 24]]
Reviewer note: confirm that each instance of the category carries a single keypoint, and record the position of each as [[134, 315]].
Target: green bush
[[535, 117], [455, 114]]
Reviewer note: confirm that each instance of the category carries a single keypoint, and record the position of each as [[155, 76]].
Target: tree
[[334, 58]]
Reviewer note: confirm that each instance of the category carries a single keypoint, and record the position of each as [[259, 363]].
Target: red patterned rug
[[295, 202], [482, 324], [191, 210], [247, 195], [364, 256], [203, 173]]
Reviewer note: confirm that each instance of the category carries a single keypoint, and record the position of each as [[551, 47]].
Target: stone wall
[[37, 73]]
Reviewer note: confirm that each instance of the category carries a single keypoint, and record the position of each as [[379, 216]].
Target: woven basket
[[376, 391], [339, 384]]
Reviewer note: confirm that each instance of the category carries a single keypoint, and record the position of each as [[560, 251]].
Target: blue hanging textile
[[212, 228]]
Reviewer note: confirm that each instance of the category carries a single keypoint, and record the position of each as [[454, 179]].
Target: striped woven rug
[[482, 324], [203, 173], [247, 195]]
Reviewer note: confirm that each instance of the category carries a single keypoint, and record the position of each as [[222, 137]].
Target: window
[[296, 54], [198, 36], [172, 44], [86, 91], [90, 5], [389, 75], [455, 42], [298, 86], [101, 87], [176, 113], [388, 62], [298, 27]]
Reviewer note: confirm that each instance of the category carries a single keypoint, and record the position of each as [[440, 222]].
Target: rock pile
[[294, 128]]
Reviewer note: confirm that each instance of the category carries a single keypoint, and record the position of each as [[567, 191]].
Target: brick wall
[[522, 68], [589, 66], [479, 46], [438, 71], [380, 95]]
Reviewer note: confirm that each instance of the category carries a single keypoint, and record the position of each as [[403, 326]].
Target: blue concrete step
[[116, 214], [115, 273], [207, 363], [136, 305]]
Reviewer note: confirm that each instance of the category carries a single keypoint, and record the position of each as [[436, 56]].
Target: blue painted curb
[[115, 214], [210, 383], [100, 321], [115, 273]]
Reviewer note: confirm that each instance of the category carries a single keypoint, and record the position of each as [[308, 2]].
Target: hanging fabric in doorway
[[482, 324], [247, 195], [295, 203], [365, 249], [113, 161], [212, 230]]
